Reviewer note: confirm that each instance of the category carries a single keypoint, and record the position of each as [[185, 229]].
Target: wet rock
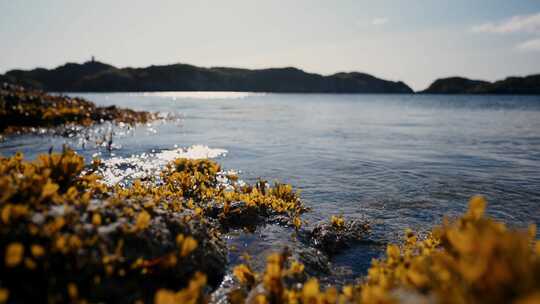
[[331, 238], [210, 256], [239, 215], [127, 266], [25, 111], [315, 261], [229, 288], [117, 244], [281, 220]]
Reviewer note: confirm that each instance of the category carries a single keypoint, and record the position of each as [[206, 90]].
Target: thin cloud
[[515, 24], [532, 45], [379, 21]]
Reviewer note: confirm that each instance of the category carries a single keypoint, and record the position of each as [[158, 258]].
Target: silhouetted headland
[[94, 76], [511, 85]]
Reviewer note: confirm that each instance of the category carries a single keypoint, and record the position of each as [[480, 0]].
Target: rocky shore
[[68, 237], [94, 76], [25, 110]]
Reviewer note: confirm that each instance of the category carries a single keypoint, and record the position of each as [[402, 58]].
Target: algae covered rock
[[314, 260], [66, 237], [473, 259], [337, 235], [25, 110]]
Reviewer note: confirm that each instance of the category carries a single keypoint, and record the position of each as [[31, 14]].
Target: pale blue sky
[[411, 40]]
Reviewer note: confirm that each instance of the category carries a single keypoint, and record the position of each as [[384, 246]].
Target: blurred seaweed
[[473, 259]]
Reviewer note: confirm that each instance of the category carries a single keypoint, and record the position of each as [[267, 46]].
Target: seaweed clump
[[199, 184], [23, 110], [473, 259], [67, 237]]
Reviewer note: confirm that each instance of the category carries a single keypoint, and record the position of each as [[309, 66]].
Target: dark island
[[511, 85], [94, 76]]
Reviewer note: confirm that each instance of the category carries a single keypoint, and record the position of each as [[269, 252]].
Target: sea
[[395, 161]]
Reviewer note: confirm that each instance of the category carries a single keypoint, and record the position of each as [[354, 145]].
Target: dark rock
[[331, 239], [122, 282], [242, 216], [315, 261], [23, 110], [239, 216]]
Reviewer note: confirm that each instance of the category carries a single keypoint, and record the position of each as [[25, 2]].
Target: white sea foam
[[123, 170]]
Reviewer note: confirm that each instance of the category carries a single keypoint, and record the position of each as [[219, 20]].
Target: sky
[[415, 41]]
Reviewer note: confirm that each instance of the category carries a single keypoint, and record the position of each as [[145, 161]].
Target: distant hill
[[511, 85], [99, 77]]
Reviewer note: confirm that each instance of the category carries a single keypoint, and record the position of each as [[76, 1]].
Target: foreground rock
[[337, 235], [68, 237], [473, 259]]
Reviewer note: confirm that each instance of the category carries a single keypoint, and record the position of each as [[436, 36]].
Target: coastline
[[162, 237], [161, 234]]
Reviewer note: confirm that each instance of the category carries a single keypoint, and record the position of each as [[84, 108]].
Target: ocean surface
[[398, 161]]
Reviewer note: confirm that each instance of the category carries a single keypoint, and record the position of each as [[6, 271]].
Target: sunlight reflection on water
[[198, 95], [397, 160]]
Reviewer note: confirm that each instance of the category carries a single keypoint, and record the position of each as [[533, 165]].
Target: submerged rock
[[315, 261], [333, 237]]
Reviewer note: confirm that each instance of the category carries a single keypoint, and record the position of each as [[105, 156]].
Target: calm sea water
[[400, 161]]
